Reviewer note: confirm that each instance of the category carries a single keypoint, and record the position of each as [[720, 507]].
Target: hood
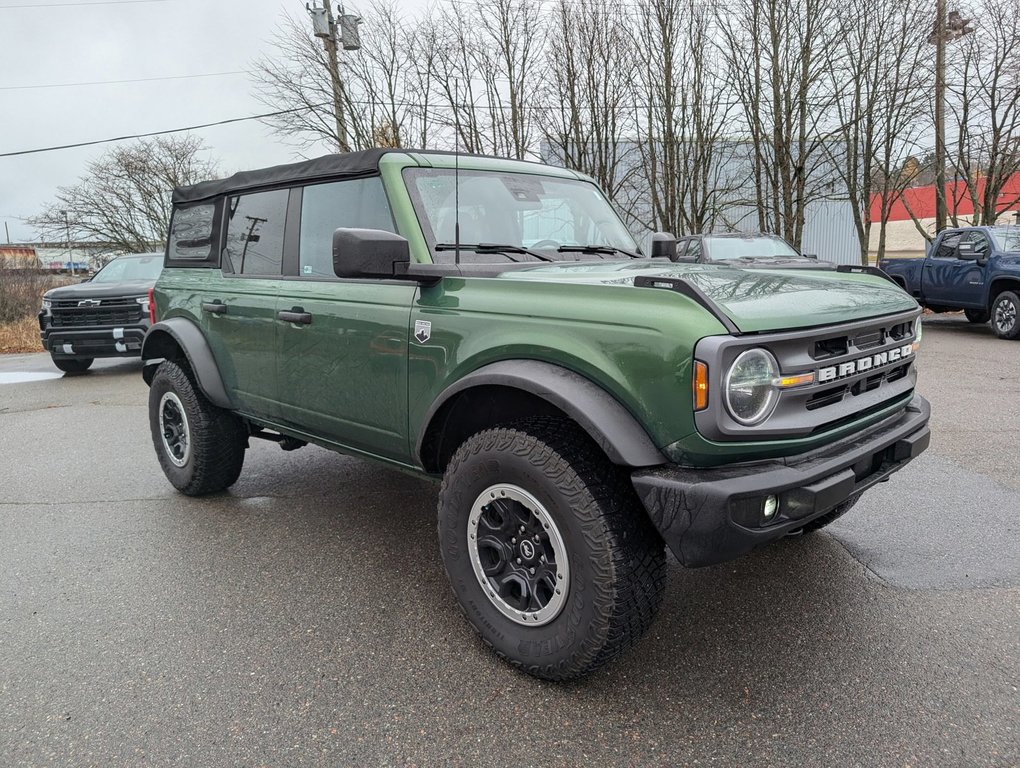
[[100, 290], [754, 299]]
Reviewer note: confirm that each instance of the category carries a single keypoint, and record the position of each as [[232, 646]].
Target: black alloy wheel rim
[[518, 555], [173, 427]]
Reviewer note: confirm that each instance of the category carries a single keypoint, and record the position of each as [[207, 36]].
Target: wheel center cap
[[527, 550]]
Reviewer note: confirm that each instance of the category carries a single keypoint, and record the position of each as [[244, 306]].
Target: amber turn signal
[[700, 386], [795, 381]]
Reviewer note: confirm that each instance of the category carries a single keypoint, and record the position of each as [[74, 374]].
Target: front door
[[342, 344], [950, 281]]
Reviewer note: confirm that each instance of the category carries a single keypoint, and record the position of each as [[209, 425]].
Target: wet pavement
[[303, 617]]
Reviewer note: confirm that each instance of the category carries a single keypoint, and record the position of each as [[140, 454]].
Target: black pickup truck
[[105, 316]]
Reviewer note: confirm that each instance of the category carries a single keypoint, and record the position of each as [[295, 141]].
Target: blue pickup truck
[[976, 269]]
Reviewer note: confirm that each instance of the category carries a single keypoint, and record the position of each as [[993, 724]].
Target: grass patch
[[20, 336]]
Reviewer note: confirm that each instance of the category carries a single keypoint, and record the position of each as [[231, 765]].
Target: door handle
[[295, 315], [214, 307]]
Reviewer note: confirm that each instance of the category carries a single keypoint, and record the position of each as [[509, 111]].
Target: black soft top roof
[[361, 163], [351, 164]]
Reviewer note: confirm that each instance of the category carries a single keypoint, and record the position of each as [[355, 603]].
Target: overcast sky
[[50, 42]]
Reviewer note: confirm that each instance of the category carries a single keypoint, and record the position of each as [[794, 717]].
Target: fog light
[[770, 507]]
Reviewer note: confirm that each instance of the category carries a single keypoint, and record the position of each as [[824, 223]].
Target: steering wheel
[[545, 244]]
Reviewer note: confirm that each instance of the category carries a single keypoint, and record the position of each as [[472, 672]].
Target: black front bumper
[[72, 342], [708, 516]]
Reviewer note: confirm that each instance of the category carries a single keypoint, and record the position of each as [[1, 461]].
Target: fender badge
[[422, 330]]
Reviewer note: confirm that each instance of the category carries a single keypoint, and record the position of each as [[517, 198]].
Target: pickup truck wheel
[[72, 364], [976, 315], [200, 447], [547, 548], [1005, 322]]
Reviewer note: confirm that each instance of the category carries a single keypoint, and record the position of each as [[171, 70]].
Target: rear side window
[[358, 203], [255, 225], [192, 235]]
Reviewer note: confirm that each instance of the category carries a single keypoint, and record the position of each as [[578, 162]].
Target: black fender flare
[[184, 333], [597, 412]]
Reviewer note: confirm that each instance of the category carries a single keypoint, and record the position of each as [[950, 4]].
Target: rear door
[[239, 308], [342, 344]]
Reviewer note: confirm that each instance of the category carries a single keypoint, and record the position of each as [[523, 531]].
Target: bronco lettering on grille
[[862, 364]]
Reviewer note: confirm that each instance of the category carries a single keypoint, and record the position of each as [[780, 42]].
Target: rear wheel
[[72, 364], [200, 447], [976, 315], [1005, 311], [547, 548]]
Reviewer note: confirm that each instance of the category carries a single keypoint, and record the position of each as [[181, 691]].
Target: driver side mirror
[[663, 245], [965, 251], [810, 256], [369, 253]]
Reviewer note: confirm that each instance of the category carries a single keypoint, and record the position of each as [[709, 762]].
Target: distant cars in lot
[[104, 316], [745, 250], [976, 269]]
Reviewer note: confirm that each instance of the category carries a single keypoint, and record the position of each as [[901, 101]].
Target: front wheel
[[548, 551], [1005, 310], [72, 364], [200, 447]]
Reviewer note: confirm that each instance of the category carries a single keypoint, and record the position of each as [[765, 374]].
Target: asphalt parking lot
[[303, 618]]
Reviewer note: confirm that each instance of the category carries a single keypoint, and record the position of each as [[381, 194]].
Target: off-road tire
[[72, 364], [976, 315], [616, 559], [217, 438], [838, 512], [1006, 306]]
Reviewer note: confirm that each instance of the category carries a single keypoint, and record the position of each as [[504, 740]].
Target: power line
[[75, 5], [115, 82], [160, 133]]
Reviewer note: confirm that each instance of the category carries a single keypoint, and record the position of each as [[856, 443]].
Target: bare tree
[[590, 92], [384, 90], [124, 197], [984, 99], [882, 81], [773, 51]]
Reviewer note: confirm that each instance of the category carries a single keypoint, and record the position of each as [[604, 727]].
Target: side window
[[358, 203], [255, 226], [681, 248], [694, 250], [947, 246], [191, 233]]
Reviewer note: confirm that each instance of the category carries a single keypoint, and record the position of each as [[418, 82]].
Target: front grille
[[122, 314], [853, 375]]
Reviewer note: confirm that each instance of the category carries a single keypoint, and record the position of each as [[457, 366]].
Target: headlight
[[46, 303], [144, 301], [751, 393]]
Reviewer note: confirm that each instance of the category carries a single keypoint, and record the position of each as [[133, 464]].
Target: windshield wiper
[[492, 248], [597, 249]]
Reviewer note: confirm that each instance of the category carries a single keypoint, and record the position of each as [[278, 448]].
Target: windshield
[[1008, 239], [540, 213], [748, 247], [130, 268]]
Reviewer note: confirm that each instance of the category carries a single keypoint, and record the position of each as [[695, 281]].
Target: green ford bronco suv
[[491, 324]]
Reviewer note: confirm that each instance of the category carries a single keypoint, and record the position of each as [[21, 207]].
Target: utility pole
[[948, 27], [67, 234], [325, 26]]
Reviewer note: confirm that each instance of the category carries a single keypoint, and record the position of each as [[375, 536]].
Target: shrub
[[20, 291]]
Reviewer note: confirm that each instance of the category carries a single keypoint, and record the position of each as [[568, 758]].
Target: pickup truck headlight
[[144, 301], [750, 387], [47, 304]]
